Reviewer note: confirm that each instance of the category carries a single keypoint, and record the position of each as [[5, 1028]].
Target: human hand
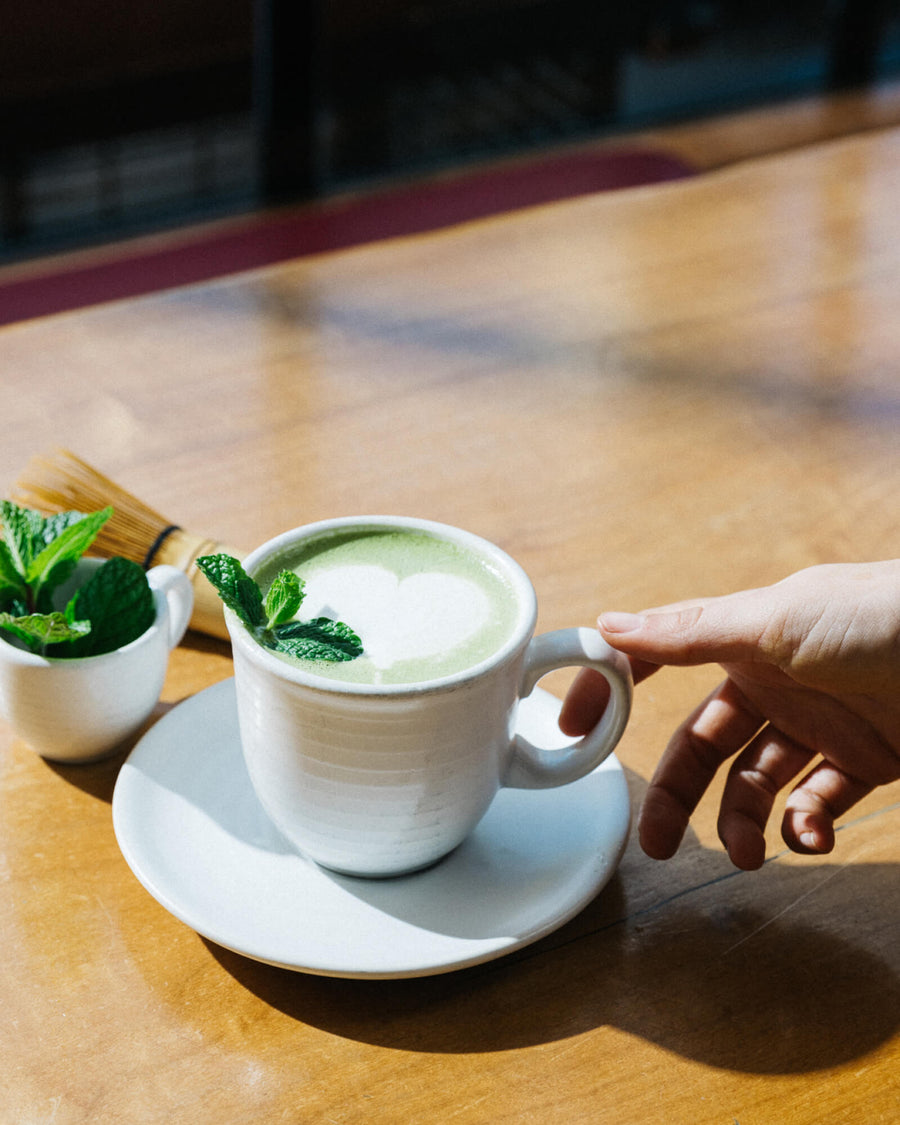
[[812, 670]]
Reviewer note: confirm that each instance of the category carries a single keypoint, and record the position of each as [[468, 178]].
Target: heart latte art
[[423, 607], [401, 618]]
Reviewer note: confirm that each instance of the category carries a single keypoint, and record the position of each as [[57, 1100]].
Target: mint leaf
[[235, 587], [283, 598], [38, 630], [319, 639], [55, 562], [56, 524], [12, 583], [118, 603], [22, 533]]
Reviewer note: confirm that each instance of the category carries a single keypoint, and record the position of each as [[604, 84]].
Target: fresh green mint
[[37, 555], [272, 619]]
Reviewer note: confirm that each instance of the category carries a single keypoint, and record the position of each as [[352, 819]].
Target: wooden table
[[671, 391]]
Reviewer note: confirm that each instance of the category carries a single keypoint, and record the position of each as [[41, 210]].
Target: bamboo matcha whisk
[[60, 482]]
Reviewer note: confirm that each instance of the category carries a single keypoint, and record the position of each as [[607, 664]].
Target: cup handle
[[176, 585], [533, 767]]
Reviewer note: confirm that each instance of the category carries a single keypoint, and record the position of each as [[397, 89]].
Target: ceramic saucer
[[193, 833]]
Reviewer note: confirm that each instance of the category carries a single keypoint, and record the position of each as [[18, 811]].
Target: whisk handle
[[181, 549]]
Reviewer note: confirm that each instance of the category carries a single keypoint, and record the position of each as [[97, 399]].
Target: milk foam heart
[[424, 607], [399, 618]]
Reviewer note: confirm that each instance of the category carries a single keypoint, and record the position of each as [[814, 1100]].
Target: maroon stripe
[[335, 225]]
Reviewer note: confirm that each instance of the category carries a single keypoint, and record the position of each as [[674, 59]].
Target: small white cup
[[79, 710], [376, 780]]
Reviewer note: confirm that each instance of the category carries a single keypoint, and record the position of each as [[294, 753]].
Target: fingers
[[588, 696], [812, 808], [707, 631], [796, 663], [762, 769], [766, 761], [711, 630], [717, 730]]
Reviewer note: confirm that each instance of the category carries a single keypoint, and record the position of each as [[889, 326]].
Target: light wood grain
[[659, 393]]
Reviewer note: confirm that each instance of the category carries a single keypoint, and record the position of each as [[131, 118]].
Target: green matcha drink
[[424, 607]]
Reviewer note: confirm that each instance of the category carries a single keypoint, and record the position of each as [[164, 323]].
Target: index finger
[[721, 630]]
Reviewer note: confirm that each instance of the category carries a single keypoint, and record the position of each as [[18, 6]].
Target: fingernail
[[809, 840], [620, 622]]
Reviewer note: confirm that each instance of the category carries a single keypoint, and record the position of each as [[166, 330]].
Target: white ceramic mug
[[378, 780], [79, 710]]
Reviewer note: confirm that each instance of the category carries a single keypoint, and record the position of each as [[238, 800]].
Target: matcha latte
[[378, 665], [424, 607]]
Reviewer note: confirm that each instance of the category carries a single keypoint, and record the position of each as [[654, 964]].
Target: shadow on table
[[774, 972], [740, 976]]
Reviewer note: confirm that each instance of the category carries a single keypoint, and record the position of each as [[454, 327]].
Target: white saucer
[[193, 833]]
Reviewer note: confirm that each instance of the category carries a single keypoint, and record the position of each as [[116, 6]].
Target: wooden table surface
[[665, 392]]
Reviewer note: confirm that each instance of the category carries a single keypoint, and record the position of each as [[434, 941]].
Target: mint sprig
[[272, 619], [37, 555], [118, 603]]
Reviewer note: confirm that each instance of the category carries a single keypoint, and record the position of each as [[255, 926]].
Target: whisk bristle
[[61, 482]]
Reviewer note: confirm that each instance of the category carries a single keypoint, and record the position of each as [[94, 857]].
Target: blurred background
[[138, 116]]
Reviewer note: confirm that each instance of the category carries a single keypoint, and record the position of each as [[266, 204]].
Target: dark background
[[119, 118]]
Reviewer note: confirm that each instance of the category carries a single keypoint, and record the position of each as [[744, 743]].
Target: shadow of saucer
[[786, 997], [748, 994]]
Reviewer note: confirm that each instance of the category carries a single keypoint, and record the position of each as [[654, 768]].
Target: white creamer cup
[[378, 780], [79, 710]]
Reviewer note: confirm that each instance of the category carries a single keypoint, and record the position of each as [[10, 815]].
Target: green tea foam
[[423, 607]]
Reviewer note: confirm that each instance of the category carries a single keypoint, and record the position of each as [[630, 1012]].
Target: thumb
[[732, 629]]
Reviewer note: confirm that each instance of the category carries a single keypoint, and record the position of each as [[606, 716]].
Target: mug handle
[[533, 767], [179, 592]]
